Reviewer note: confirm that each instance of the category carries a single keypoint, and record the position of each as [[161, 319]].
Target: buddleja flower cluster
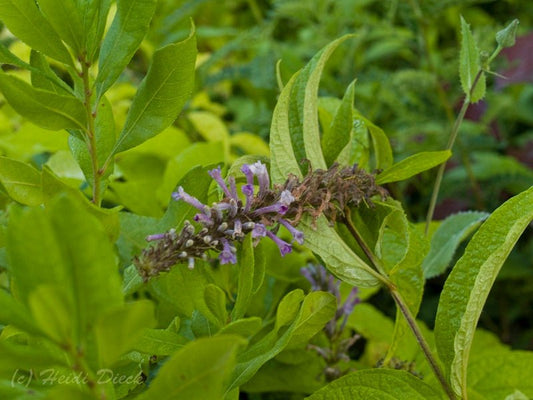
[[339, 342], [260, 212]]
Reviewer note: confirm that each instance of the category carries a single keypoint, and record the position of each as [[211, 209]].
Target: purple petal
[[157, 236], [297, 235], [216, 174], [259, 230], [279, 208], [284, 247], [249, 174], [227, 256], [203, 219], [260, 170], [193, 201]]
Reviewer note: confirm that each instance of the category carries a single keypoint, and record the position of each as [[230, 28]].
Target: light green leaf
[[444, 242], [132, 280], [162, 93], [282, 158], [507, 36], [470, 281], [215, 300], [65, 18], [339, 133], [125, 34], [14, 313], [339, 258], [43, 77], [470, 66], [25, 21], [21, 181], [244, 327], [412, 166], [517, 395], [317, 309], [46, 109], [196, 372], [377, 384], [118, 330], [303, 121], [159, 342]]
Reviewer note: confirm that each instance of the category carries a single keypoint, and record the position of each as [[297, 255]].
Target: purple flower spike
[[284, 247], [259, 231], [157, 236], [193, 201], [249, 174], [308, 274], [279, 208], [227, 256], [296, 234], [216, 174], [259, 169], [351, 301]]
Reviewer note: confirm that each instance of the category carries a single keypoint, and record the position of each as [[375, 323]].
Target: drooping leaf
[[25, 21], [338, 135], [374, 384], [412, 166], [162, 93], [21, 181], [43, 108], [197, 371], [470, 281], [444, 242], [470, 66], [125, 34]]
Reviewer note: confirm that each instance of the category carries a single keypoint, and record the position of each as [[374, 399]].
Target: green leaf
[[340, 259], [215, 300], [377, 384], [196, 372], [470, 66], [159, 342], [51, 311], [118, 330], [14, 313], [161, 94], [21, 181], [43, 108], [339, 133], [282, 158], [65, 18], [470, 281], [94, 21], [25, 21], [125, 34], [412, 166], [507, 36], [452, 231], [317, 309], [244, 327], [80, 261], [381, 144], [303, 121], [42, 76]]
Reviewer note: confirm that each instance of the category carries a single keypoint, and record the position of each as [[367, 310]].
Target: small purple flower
[[193, 201], [204, 219], [233, 187], [284, 247], [297, 235], [249, 174], [259, 169], [237, 227], [248, 191], [279, 208], [259, 231], [157, 236], [216, 174], [227, 256]]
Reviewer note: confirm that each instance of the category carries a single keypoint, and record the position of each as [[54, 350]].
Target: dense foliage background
[[404, 58]]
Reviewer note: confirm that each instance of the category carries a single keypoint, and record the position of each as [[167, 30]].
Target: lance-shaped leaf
[[162, 93], [412, 166], [304, 128], [126, 33], [65, 18], [377, 384], [46, 109], [470, 66], [25, 21], [470, 281]]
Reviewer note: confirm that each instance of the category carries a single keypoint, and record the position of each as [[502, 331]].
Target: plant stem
[[404, 309], [422, 342], [91, 132], [449, 146]]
